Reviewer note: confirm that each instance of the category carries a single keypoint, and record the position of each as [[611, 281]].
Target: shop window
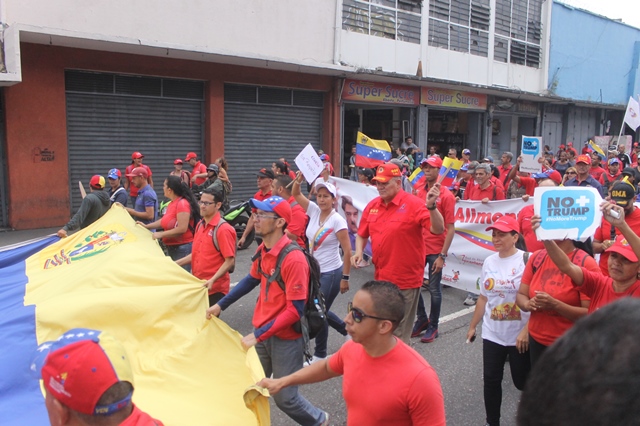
[[393, 19], [460, 25], [240, 93]]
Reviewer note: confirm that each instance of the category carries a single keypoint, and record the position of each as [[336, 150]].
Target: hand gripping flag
[[449, 171], [371, 152]]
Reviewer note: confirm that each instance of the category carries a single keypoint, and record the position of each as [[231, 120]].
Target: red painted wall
[[36, 118]]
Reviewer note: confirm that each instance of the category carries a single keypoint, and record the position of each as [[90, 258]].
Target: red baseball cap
[[385, 172], [97, 182], [505, 224], [325, 157], [584, 158], [434, 161], [177, 161], [275, 204], [136, 155], [138, 171], [621, 246], [190, 155], [554, 175], [80, 366]]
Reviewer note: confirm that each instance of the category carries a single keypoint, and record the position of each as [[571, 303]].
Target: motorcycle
[[237, 216]]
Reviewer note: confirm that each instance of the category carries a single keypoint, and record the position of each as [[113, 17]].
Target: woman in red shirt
[[179, 221], [553, 300]]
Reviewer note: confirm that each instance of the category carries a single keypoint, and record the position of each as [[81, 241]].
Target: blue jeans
[[330, 287], [435, 290], [178, 252], [283, 357]]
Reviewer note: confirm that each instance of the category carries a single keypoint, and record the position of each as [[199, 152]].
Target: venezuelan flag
[[371, 152], [593, 147], [449, 171], [417, 178], [112, 276]]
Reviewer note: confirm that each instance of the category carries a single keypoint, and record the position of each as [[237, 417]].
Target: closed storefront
[[263, 124], [111, 116]]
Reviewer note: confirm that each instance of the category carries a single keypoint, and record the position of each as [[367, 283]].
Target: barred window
[[460, 25], [393, 19]]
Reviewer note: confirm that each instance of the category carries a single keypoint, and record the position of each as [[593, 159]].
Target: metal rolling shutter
[[104, 129], [264, 124]]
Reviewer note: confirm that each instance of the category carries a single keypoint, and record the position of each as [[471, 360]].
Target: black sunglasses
[[358, 315]]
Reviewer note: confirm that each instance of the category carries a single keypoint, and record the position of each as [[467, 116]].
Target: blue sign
[[567, 212]]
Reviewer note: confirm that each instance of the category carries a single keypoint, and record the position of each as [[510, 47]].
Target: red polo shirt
[[197, 169], [398, 252], [298, 225], [529, 185], [261, 197], [475, 193], [295, 274], [206, 260], [446, 205], [133, 190], [504, 172], [604, 233]]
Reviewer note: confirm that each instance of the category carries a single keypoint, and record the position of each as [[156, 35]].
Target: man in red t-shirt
[[505, 168], [393, 221], [136, 161], [622, 194], [298, 226], [385, 382], [199, 172], [265, 179], [596, 169], [88, 380], [612, 173], [437, 248], [484, 190], [278, 344], [208, 262]]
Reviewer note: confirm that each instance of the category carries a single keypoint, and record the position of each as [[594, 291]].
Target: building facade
[[85, 86]]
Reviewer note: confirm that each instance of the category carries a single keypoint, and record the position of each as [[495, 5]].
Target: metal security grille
[[263, 124], [3, 172], [110, 116]]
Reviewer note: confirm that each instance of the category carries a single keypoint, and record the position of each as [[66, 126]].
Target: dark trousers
[[536, 349], [494, 357], [215, 298], [435, 290]]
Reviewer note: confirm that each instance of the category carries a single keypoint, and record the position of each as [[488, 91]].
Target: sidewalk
[[8, 238]]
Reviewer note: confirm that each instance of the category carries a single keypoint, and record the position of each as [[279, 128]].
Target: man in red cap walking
[[392, 221], [199, 172], [93, 207], [88, 380], [136, 161]]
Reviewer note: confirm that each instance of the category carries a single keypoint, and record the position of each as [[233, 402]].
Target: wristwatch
[[431, 208], [442, 255]]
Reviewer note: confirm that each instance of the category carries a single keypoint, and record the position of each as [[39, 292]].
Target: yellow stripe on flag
[[363, 139]]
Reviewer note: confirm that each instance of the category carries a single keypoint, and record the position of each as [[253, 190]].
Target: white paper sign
[[571, 212], [531, 152], [309, 163]]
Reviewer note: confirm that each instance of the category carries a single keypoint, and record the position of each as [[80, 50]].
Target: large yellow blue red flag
[[112, 276], [370, 153]]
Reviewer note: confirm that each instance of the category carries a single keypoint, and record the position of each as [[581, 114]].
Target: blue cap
[[275, 204], [114, 174], [464, 167]]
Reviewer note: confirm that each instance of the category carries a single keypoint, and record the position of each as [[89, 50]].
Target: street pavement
[[458, 364]]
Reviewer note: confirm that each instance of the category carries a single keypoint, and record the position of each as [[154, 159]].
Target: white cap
[[329, 186]]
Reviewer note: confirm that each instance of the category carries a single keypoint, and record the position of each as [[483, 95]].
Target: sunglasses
[[572, 173], [358, 315]]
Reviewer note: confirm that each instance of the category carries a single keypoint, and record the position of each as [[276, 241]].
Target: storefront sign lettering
[[453, 98], [367, 91]]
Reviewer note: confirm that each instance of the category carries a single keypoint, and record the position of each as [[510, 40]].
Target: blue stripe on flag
[[372, 153]]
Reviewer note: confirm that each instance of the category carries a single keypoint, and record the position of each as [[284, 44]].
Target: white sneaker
[[313, 361], [470, 301], [326, 418]]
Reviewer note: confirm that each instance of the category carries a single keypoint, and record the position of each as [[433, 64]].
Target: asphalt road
[[458, 364]]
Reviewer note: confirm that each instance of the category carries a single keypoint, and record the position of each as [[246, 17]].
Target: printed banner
[[452, 98], [531, 153], [113, 276], [567, 212], [368, 91], [472, 244]]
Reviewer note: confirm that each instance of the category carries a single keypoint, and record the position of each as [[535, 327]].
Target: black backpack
[[314, 314], [214, 238]]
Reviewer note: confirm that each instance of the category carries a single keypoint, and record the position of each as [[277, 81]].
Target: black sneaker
[[420, 326]]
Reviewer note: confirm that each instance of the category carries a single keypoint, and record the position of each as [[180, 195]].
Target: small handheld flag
[[371, 152], [449, 171], [595, 148], [417, 178]]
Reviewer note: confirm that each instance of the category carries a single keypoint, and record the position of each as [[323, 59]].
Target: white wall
[[287, 29]]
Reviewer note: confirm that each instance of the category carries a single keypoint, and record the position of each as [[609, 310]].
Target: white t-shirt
[[501, 278], [323, 242]]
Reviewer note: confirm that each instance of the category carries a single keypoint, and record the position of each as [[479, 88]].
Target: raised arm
[[297, 193]]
